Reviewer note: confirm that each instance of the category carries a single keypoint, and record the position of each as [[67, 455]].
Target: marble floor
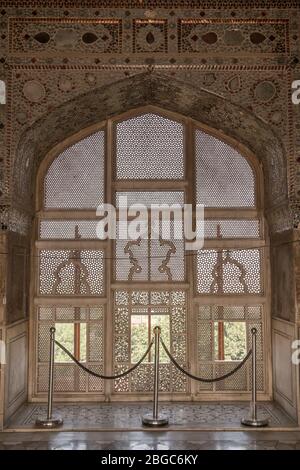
[[161, 440], [117, 426], [127, 416]]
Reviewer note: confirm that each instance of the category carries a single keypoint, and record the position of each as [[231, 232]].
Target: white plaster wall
[[16, 367], [285, 373]]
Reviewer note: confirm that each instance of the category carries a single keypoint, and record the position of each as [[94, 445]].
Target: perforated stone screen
[[150, 303], [68, 377], [224, 177], [206, 301], [229, 271], [148, 198], [152, 259], [232, 228], [75, 179], [68, 229], [209, 366], [149, 147], [71, 272]]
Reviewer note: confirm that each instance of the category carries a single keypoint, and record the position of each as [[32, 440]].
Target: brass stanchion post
[[155, 419], [253, 420], [50, 421]]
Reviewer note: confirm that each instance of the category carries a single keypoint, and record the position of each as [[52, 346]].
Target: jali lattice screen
[[106, 296], [82, 324], [209, 318], [132, 303]]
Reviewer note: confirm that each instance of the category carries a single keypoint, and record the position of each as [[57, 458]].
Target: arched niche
[[241, 128]]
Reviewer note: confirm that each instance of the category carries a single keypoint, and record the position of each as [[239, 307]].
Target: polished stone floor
[[117, 426], [160, 440], [127, 416]]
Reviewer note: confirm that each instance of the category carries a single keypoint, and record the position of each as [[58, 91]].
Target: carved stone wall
[[228, 64], [53, 53], [140, 90]]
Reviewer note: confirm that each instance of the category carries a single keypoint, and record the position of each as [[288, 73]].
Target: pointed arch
[[238, 126]]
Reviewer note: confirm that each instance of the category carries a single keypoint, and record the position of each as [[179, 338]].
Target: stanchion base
[[255, 423], [161, 420], [54, 422]]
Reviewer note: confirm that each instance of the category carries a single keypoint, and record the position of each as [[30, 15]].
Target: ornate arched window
[[105, 296]]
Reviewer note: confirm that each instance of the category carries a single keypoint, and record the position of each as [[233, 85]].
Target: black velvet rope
[[200, 379], [101, 376]]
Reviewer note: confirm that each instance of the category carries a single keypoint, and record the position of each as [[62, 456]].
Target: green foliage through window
[[65, 334], [142, 332], [235, 343]]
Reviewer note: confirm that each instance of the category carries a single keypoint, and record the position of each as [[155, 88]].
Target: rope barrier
[[101, 376], [155, 419], [200, 379]]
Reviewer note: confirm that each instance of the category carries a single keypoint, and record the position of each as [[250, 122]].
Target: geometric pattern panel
[[232, 228], [150, 36], [68, 229], [221, 35], [132, 305], [71, 272], [68, 321], [149, 147], [44, 36], [75, 179], [229, 271], [211, 320], [147, 198], [224, 178]]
